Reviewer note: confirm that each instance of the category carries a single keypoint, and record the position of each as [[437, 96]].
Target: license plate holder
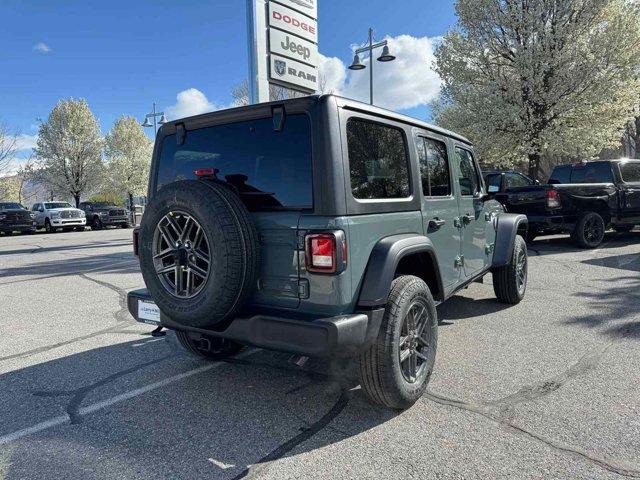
[[148, 312]]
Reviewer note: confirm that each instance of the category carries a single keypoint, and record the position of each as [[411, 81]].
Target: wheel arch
[[508, 226], [406, 254]]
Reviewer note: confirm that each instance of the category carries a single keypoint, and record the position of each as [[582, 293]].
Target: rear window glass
[[270, 170], [561, 174], [630, 172], [377, 160], [591, 173]]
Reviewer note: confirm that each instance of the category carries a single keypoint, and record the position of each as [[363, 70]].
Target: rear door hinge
[[488, 249], [459, 261]]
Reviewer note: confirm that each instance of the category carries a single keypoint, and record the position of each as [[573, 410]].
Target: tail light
[[136, 240], [326, 252], [553, 199]]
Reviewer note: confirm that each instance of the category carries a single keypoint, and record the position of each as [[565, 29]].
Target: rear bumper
[[320, 337]]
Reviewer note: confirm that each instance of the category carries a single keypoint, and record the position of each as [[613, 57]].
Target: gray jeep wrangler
[[319, 226]]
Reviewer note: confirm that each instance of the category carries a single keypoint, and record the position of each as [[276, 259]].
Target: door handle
[[436, 223]]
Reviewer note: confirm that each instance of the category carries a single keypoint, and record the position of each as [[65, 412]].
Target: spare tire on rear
[[199, 252]]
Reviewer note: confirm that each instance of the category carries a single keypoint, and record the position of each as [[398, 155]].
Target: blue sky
[[122, 56]]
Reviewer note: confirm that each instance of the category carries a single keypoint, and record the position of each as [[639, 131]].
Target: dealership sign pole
[[283, 46]]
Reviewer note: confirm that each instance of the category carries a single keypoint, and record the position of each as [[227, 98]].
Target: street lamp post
[[155, 123], [370, 47]]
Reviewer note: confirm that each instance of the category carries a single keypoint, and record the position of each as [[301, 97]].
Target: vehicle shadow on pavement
[[563, 244], [459, 307], [226, 420], [614, 309], [118, 262]]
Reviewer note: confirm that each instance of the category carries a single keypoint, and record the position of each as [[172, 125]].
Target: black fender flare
[[507, 227], [383, 262]]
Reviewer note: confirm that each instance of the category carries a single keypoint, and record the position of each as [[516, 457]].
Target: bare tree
[[8, 147], [240, 93]]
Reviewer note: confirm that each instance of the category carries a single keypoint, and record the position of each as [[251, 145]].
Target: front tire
[[96, 224], [48, 227], [396, 369], [510, 281], [589, 231], [211, 348]]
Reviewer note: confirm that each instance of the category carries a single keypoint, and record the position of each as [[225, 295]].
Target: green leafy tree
[[128, 151], [70, 149], [527, 79]]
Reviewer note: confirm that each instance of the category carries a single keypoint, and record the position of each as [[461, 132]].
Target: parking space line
[[62, 419]]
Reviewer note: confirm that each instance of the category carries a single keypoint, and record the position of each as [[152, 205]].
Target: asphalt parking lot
[[546, 389]]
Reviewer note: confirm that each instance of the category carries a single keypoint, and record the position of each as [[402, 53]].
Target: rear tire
[[211, 348], [409, 329], [510, 281], [589, 230]]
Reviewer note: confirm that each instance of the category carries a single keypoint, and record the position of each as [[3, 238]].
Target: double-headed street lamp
[[153, 115], [358, 65]]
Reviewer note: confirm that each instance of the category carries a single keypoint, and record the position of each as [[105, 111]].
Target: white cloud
[[407, 82], [190, 102], [26, 142], [42, 47]]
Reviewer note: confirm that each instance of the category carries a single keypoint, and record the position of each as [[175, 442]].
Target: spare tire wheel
[[199, 252]]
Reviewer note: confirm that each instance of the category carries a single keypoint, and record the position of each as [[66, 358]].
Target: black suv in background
[[16, 218], [102, 214], [581, 199]]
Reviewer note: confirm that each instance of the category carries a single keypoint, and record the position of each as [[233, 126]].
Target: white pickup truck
[[55, 215]]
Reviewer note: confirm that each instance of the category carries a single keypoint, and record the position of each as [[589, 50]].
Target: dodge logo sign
[[290, 21]]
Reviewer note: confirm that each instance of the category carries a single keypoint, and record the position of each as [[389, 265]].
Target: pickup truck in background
[[581, 199]]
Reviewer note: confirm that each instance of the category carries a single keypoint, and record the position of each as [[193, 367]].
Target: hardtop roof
[[342, 102]]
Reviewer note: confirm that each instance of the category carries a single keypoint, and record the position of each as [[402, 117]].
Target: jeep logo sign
[[293, 47], [290, 21], [284, 70]]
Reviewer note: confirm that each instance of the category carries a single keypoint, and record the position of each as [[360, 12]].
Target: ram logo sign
[[295, 73]]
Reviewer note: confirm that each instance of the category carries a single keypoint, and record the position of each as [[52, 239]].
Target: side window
[[434, 168], [515, 180], [378, 160], [630, 172], [492, 181], [467, 173]]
